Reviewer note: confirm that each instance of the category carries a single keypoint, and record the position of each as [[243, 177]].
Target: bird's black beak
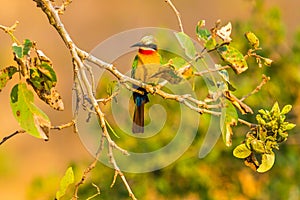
[[139, 44]]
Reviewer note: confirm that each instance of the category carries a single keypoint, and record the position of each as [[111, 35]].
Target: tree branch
[[187, 100], [81, 77]]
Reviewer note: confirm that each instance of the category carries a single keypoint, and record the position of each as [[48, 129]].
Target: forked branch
[[83, 81]]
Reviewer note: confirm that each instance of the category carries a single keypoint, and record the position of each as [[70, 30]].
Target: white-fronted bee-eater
[[145, 64]]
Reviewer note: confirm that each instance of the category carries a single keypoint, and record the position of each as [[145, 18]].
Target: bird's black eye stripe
[[152, 46]]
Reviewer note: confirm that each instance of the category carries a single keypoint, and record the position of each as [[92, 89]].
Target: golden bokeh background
[[89, 22]]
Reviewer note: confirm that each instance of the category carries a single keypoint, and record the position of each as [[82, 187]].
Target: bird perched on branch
[[145, 64]]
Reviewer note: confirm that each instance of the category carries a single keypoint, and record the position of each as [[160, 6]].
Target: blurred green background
[[31, 168]]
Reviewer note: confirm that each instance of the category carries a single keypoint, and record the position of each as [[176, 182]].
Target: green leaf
[[18, 50], [202, 33], [187, 44], [267, 162], [241, 151], [234, 58], [275, 109], [286, 109], [290, 126], [210, 44], [6, 74], [43, 79], [183, 68], [224, 74], [66, 180], [48, 71], [260, 120], [283, 136], [229, 117], [177, 62], [33, 120], [11, 71], [253, 40], [112, 86], [258, 146], [35, 78], [27, 46], [263, 133], [262, 111]]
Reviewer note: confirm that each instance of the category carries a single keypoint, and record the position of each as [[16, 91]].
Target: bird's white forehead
[[148, 39]]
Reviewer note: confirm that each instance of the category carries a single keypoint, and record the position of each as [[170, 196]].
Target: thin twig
[[89, 68], [119, 172], [60, 127], [11, 135], [10, 31], [250, 125], [83, 178], [108, 99], [88, 169], [61, 9], [98, 192], [169, 2], [201, 73], [265, 79]]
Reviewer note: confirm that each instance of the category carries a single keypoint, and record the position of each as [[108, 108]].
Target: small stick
[[177, 14], [265, 79], [11, 135]]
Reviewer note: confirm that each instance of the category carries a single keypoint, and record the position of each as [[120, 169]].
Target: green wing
[[134, 66]]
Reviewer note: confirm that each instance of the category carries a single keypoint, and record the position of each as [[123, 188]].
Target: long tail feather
[[138, 119]]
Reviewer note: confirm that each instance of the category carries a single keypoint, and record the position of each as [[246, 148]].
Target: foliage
[[271, 129], [6, 74], [30, 117], [38, 73], [67, 179], [263, 138]]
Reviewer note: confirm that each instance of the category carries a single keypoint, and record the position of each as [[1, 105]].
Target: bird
[[145, 64]]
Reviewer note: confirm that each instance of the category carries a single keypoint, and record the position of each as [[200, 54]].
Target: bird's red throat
[[146, 51]]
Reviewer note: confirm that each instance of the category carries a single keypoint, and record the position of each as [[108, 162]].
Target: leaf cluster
[[260, 141], [218, 39], [37, 71]]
